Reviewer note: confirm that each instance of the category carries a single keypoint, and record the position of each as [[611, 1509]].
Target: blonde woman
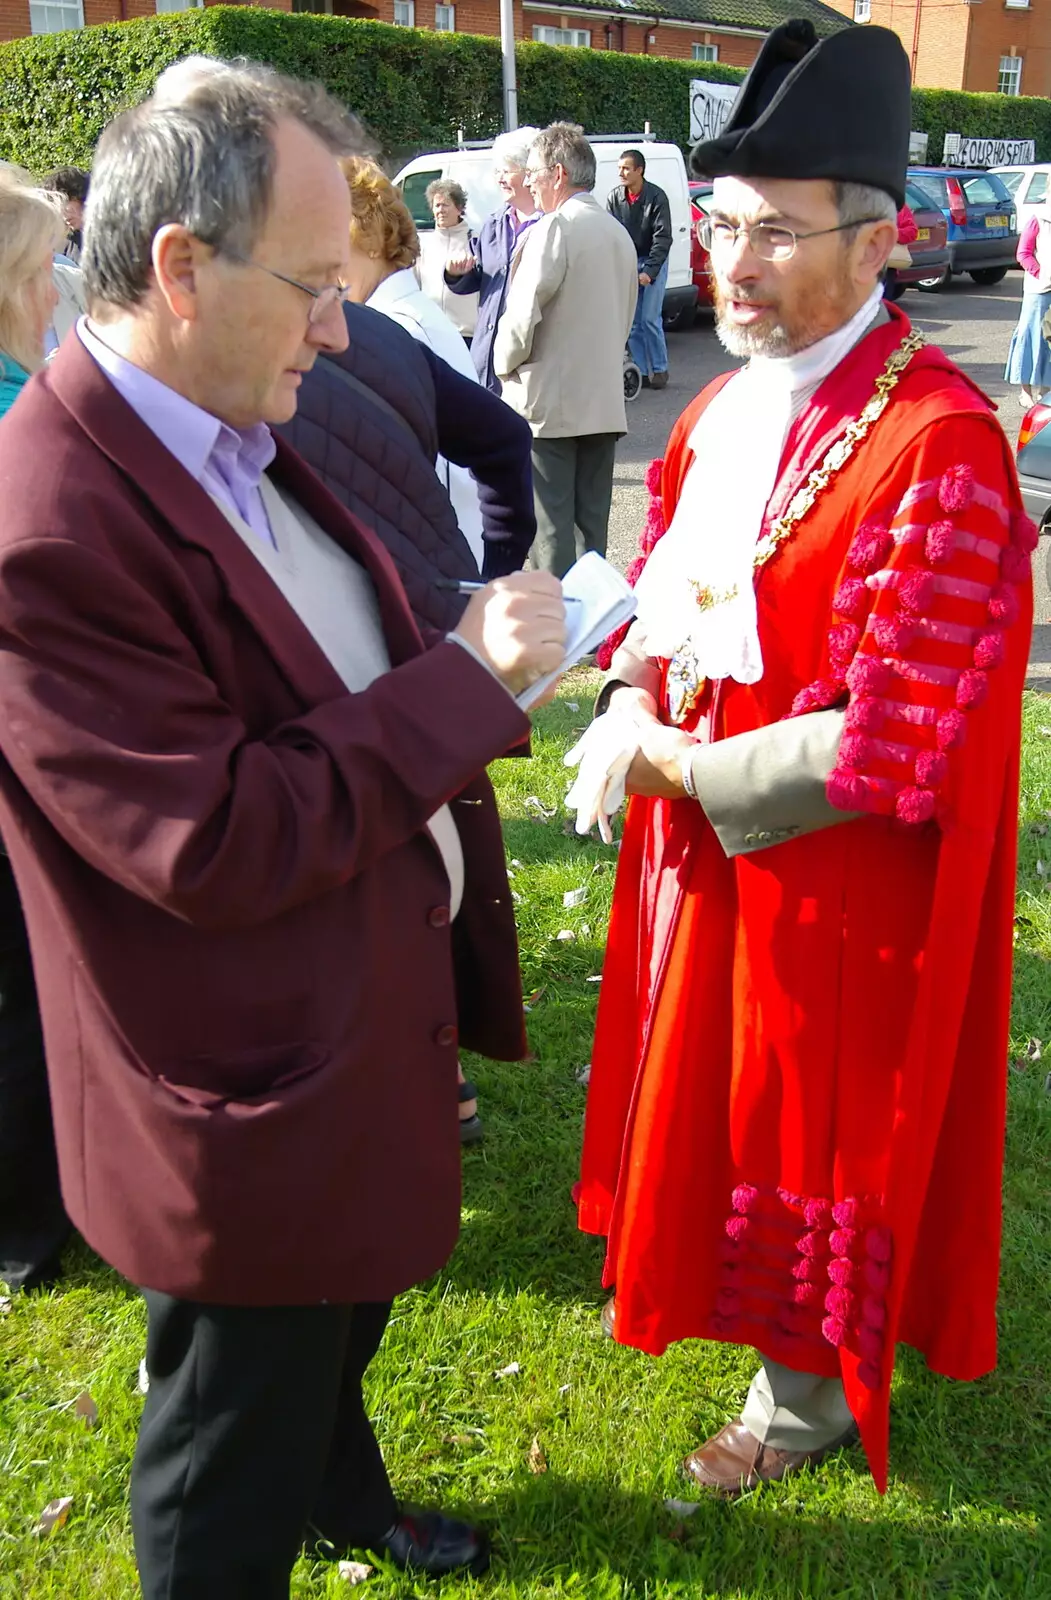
[[31, 230]]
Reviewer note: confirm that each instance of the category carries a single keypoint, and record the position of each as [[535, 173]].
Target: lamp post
[[507, 51]]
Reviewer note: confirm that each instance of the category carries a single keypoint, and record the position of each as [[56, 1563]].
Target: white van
[[471, 167], [1028, 186]]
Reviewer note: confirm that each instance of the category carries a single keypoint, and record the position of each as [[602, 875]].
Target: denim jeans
[[646, 339]]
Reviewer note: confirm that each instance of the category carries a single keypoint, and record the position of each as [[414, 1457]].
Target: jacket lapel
[[153, 472]]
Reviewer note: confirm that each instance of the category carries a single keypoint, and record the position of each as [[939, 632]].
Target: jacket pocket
[[249, 1077]]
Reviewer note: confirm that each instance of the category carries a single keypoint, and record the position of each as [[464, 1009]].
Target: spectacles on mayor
[[325, 299], [767, 240]]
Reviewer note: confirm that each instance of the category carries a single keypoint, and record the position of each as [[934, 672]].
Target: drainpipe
[[916, 37]]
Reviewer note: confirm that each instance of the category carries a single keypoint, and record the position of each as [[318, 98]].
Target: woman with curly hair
[[448, 241]]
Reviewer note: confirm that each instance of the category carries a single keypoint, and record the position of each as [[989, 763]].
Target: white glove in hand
[[602, 758]]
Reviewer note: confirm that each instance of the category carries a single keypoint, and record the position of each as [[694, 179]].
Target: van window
[[1037, 189], [414, 193]]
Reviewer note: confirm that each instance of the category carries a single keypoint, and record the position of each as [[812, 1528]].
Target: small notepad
[[601, 601]]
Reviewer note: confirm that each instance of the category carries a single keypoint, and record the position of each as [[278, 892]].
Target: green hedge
[[414, 89]]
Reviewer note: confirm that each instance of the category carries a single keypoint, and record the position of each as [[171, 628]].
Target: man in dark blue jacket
[[645, 211]]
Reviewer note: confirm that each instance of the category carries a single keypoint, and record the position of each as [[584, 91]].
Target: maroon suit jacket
[[250, 988]]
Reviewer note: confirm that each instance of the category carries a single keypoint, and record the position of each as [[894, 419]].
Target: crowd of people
[[278, 558]]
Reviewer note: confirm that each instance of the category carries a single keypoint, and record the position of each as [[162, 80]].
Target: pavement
[[971, 324]]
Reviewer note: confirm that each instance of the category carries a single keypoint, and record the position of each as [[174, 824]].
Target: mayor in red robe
[[796, 1108]]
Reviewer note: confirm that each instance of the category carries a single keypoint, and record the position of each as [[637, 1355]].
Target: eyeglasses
[[767, 240], [532, 173], [333, 294]]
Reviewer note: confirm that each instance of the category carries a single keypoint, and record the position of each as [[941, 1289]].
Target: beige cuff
[[762, 788]]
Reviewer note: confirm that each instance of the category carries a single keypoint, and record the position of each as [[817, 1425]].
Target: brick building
[[987, 46], [729, 31]]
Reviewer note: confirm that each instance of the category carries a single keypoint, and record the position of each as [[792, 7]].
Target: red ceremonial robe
[[795, 1120]]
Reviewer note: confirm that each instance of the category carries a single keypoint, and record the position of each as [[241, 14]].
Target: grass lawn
[[971, 1464]]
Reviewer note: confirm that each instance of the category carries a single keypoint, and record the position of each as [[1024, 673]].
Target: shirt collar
[[194, 437]]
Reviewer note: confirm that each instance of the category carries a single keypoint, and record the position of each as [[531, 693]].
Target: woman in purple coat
[[485, 271]]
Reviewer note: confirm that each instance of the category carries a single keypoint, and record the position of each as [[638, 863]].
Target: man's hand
[[518, 624], [657, 769], [457, 266], [645, 280]]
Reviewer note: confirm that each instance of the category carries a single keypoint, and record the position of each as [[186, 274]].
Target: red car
[[929, 250], [700, 263]]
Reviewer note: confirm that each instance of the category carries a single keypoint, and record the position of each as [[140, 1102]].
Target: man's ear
[[876, 243], [177, 261]]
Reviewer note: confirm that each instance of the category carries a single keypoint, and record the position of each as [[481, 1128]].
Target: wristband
[[686, 770]]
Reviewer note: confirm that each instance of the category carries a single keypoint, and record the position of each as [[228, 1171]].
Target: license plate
[[996, 222], [923, 233]]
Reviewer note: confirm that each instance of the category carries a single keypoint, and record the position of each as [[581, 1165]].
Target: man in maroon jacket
[[260, 861]]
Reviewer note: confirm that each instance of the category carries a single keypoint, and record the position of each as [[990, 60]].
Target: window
[[445, 19], [1017, 5], [1036, 191], [177, 5], [706, 52], [1010, 80], [414, 193], [575, 36], [405, 13], [862, 10], [53, 16]]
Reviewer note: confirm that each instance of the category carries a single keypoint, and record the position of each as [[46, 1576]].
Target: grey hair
[[861, 202], [563, 144], [511, 150], [450, 189], [201, 155]]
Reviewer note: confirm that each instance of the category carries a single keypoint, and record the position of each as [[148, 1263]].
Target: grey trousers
[[795, 1410], [572, 491]]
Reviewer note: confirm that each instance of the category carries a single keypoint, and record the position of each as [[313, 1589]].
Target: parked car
[[981, 218], [700, 261], [1027, 187], [1034, 476], [471, 165], [929, 250]]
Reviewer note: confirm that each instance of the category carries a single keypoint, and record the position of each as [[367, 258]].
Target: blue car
[[983, 227]]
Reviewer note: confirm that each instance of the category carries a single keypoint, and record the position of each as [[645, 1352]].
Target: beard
[[819, 308]]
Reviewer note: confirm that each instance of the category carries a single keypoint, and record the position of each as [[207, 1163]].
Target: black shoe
[[427, 1541], [472, 1130]]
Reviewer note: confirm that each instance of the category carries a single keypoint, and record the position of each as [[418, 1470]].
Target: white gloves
[[602, 758]]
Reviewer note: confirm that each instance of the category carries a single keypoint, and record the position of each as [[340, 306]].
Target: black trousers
[[254, 1438], [33, 1222], [572, 495]]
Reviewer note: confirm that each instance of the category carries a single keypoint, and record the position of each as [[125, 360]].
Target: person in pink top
[[1029, 358]]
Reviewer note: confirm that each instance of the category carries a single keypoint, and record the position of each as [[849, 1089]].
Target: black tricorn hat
[[838, 108]]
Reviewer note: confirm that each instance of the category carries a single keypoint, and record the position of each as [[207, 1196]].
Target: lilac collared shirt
[[226, 464]]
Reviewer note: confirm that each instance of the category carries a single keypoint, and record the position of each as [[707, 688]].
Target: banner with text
[[962, 150], [709, 108]]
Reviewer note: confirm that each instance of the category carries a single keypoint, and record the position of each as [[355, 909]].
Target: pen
[[467, 586]]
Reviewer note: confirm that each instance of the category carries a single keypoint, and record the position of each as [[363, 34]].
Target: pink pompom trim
[[816, 696], [839, 1301], [817, 1212], [812, 1244], [842, 1270], [834, 1330], [989, 650], [878, 1244], [931, 767], [940, 543], [916, 591], [869, 548], [1014, 564], [851, 598], [1003, 605], [843, 1241], [855, 750], [971, 689], [914, 806], [868, 675], [805, 1294], [847, 792], [1024, 532], [893, 635], [806, 1271], [634, 570], [736, 1228], [843, 640], [744, 1197], [845, 1213], [652, 479], [865, 716], [956, 490], [951, 730]]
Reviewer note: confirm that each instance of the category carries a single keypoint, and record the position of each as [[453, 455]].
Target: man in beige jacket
[[559, 348]]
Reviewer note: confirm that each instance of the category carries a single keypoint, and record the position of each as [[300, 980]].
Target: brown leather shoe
[[734, 1460], [608, 1316], [659, 380]]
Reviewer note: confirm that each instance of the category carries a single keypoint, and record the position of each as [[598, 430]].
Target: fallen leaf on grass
[[1041, 868], [596, 977], [565, 1388], [682, 1508], [1045, 731], [1034, 1049], [144, 1377], [355, 1571], [533, 802], [537, 1458], [572, 705], [564, 935], [574, 897], [53, 1516], [459, 1438], [515, 862], [584, 1073], [5, 1305], [533, 999], [508, 1371], [86, 1409]]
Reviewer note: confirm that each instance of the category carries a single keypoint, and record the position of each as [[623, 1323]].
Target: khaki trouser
[[795, 1410], [572, 493]]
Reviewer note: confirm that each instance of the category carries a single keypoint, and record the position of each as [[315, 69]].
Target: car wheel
[[935, 285], [682, 321], [988, 275]]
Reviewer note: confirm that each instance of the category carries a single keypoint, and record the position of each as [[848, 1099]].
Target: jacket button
[[438, 916], [445, 1035]]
